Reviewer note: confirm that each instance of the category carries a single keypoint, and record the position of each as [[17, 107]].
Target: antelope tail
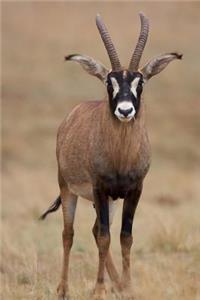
[[52, 208]]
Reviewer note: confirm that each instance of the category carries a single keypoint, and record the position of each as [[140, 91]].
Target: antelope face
[[124, 90], [124, 86]]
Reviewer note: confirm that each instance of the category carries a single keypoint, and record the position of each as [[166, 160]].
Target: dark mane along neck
[[122, 140]]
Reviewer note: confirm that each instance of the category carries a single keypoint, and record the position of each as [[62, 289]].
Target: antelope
[[103, 154]]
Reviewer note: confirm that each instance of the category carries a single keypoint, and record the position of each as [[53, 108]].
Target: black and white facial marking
[[124, 90]]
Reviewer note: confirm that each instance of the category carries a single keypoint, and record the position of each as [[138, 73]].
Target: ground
[[39, 89]]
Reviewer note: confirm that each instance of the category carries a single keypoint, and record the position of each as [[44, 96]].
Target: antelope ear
[[157, 64], [90, 65]]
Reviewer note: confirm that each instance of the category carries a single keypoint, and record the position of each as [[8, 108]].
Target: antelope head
[[124, 86]]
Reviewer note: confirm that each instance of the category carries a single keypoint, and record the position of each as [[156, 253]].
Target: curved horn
[[135, 60], [115, 63]]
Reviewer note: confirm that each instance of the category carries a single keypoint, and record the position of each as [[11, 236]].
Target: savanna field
[[39, 89]]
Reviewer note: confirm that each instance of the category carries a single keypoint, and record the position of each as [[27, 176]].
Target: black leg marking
[[129, 208], [102, 210]]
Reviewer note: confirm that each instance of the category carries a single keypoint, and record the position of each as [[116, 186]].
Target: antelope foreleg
[[126, 239], [110, 266]]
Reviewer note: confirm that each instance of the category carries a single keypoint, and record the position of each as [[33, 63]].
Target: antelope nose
[[125, 112]]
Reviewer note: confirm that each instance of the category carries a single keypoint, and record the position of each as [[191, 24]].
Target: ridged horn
[[115, 63], [135, 59]]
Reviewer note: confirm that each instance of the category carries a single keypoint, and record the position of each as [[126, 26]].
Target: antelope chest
[[114, 184], [117, 185]]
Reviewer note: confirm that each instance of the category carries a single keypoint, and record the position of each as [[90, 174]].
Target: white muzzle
[[125, 111]]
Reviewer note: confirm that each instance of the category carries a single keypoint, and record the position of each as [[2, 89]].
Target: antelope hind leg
[[68, 207]]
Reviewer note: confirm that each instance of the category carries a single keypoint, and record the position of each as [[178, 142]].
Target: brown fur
[[91, 143], [100, 156], [90, 139]]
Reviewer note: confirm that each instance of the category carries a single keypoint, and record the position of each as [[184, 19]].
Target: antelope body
[[103, 154]]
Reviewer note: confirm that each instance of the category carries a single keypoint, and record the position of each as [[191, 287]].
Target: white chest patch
[[134, 85], [115, 86]]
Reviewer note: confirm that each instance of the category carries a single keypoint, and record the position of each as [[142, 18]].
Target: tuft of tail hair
[[52, 208]]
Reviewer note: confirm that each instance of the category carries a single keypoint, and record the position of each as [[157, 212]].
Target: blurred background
[[39, 89]]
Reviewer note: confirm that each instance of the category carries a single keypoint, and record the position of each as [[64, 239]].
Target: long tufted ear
[[90, 65], [157, 64]]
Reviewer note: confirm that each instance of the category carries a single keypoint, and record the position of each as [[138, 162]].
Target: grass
[[38, 89]]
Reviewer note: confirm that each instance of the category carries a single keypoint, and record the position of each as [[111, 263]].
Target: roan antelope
[[103, 154]]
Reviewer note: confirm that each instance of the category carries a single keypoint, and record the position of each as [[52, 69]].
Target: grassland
[[38, 89]]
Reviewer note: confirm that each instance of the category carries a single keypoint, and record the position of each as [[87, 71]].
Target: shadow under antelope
[[103, 154]]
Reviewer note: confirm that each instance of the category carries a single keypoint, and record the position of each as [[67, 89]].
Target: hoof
[[127, 291], [128, 297], [99, 292], [116, 289], [98, 297], [127, 294], [63, 293]]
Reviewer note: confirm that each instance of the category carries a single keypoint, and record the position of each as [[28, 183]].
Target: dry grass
[[38, 90]]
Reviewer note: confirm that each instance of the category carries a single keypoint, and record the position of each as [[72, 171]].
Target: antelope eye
[[141, 82], [140, 86], [109, 87]]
